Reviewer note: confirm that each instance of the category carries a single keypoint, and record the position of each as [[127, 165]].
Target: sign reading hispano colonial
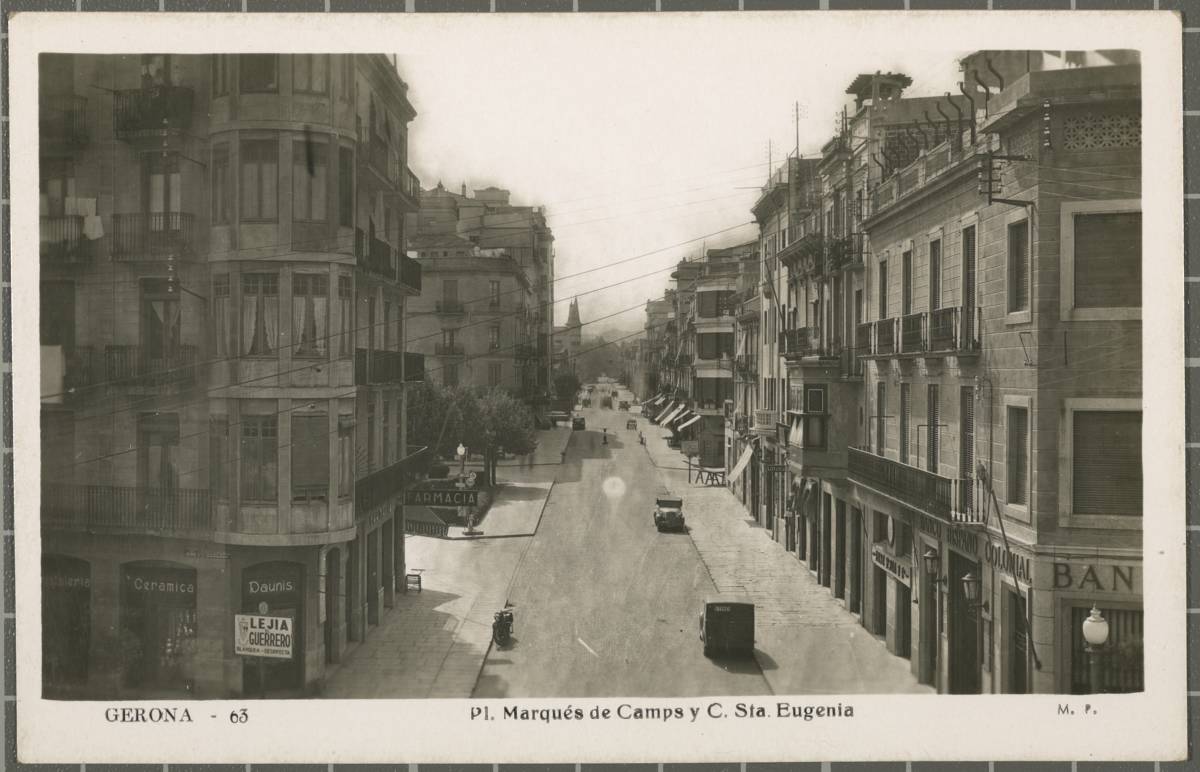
[[257, 635], [442, 497]]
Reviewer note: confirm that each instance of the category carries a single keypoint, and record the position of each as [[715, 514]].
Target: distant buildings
[[568, 341], [223, 297], [945, 412]]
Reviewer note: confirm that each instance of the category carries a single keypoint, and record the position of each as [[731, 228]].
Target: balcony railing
[[410, 187], [63, 118], [765, 420], [140, 366], [884, 343], [448, 349], [372, 367], [949, 499], [377, 488], [410, 273], [153, 236], [954, 330], [152, 112], [450, 307], [140, 508], [62, 240], [912, 333], [800, 342]]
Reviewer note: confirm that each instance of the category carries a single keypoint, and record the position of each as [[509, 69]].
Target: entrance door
[[1017, 680], [839, 551], [826, 538], [373, 577], [352, 584], [856, 561], [332, 590], [903, 620], [964, 631], [929, 631], [879, 602]]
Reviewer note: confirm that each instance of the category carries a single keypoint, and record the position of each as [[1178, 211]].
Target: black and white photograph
[[609, 366]]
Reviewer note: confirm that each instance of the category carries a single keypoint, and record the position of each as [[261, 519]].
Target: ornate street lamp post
[[1095, 633]]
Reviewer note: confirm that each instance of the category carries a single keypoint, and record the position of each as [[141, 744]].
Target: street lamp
[[932, 565], [972, 588], [1095, 633], [461, 452]]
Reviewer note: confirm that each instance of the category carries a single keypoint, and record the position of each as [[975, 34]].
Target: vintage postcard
[[606, 388]]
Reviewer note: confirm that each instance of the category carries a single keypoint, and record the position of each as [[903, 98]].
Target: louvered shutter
[[905, 418], [934, 418], [1107, 468], [1108, 260], [966, 432]]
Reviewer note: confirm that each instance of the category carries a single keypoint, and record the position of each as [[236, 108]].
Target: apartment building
[[740, 440], [223, 316], [487, 220], [966, 473]]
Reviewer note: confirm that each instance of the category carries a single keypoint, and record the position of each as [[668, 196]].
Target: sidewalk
[[433, 643], [808, 642]]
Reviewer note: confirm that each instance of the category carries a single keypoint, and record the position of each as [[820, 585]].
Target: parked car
[[668, 514], [578, 422]]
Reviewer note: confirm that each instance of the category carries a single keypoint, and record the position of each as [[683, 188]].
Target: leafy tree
[[506, 425]]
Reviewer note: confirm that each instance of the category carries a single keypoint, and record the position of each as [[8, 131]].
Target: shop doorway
[[389, 564], [826, 537], [857, 564], [1016, 680], [352, 590], [903, 620], [928, 642], [66, 622], [879, 602], [965, 677], [839, 551], [277, 586], [373, 577], [333, 588], [158, 626]]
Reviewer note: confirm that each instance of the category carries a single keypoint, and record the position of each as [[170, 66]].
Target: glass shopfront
[[66, 621], [158, 625], [277, 587]]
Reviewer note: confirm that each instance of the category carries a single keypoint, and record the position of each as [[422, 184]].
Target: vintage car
[[624, 404], [668, 514], [578, 422], [727, 626]]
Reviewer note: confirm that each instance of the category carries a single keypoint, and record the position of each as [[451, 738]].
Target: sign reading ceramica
[[441, 497], [892, 565]]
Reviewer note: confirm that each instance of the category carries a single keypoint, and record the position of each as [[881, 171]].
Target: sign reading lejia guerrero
[[442, 497], [255, 635]]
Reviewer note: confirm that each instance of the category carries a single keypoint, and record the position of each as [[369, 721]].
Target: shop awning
[[690, 421], [670, 416], [679, 419], [740, 466], [666, 410]]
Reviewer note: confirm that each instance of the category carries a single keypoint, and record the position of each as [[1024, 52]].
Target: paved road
[[606, 605]]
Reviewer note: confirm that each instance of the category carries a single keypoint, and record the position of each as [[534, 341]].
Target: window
[[1106, 472], [163, 190], [933, 415], [310, 457], [345, 455], [347, 86], [1018, 455], [449, 340], [450, 374], [494, 338], [346, 315], [1018, 266], [220, 75], [371, 454], [345, 187], [935, 274], [158, 448], [387, 325], [258, 73], [224, 341], [906, 280], [310, 179], [495, 373], [259, 457], [494, 294], [260, 314], [310, 73], [450, 293], [905, 419], [882, 301], [58, 444], [260, 179], [880, 409], [310, 314], [222, 185], [220, 475], [58, 314], [388, 428], [161, 324], [1108, 260]]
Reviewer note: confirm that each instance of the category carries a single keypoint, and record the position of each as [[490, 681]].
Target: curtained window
[[310, 457], [260, 314], [310, 73], [345, 455], [310, 179], [260, 179], [161, 322], [158, 446], [310, 314], [222, 186], [345, 187], [224, 343], [259, 457]]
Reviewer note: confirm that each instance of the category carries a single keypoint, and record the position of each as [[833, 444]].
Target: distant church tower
[[573, 333]]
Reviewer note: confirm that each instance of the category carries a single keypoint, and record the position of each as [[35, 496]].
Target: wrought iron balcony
[[912, 333], [409, 190], [884, 338], [800, 342], [153, 236], [410, 274], [152, 112], [62, 240], [86, 507], [765, 420], [144, 366], [379, 367], [63, 119], [954, 330], [949, 499]]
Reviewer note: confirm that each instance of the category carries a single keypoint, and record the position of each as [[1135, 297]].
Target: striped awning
[[671, 416], [740, 466], [690, 421]]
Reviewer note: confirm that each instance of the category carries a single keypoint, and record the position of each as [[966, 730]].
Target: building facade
[[223, 303]]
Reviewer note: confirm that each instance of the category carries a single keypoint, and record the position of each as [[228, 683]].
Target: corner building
[[224, 293]]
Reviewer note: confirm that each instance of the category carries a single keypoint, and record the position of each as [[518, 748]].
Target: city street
[[606, 605]]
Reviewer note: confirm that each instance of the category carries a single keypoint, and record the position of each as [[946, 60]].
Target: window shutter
[[905, 418], [1018, 455], [1108, 260], [1018, 266], [1107, 467], [966, 433], [933, 408]]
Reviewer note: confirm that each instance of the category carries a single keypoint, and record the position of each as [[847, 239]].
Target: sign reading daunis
[[892, 565], [441, 497]]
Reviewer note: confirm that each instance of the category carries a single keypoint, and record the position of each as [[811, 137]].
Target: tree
[[566, 385], [506, 425]]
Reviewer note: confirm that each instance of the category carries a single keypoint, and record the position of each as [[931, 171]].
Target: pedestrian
[[605, 435]]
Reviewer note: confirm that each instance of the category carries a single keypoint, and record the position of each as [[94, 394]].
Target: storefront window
[[158, 625], [277, 587], [66, 621]]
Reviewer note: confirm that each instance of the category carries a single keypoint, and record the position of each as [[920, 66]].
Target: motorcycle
[[502, 626]]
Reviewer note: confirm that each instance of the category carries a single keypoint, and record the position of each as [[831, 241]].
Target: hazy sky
[[634, 137]]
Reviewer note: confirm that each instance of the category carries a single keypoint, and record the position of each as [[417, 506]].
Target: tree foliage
[[566, 384]]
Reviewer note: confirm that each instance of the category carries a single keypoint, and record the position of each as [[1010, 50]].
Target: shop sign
[[964, 541], [891, 564], [66, 575], [441, 497], [776, 468], [1107, 578], [928, 524], [256, 635], [1008, 561], [163, 583]]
